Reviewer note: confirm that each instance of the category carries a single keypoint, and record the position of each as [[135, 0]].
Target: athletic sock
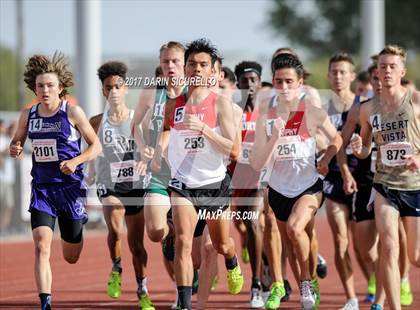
[[256, 283], [231, 263], [116, 264], [184, 297], [45, 301], [141, 285]]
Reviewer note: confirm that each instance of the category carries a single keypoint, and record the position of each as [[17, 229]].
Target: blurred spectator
[[363, 86], [7, 178], [408, 84]]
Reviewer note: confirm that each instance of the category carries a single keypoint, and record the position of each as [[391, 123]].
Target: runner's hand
[[412, 162], [349, 184], [141, 168], [278, 127], [322, 167], [147, 154], [15, 150], [68, 166], [356, 144], [155, 164], [193, 123]]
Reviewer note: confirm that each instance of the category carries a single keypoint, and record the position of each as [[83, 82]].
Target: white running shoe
[[307, 295], [265, 295], [351, 304], [256, 299]]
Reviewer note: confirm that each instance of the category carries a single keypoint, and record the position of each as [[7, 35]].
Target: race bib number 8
[[392, 154], [245, 153], [289, 147], [45, 150], [123, 172]]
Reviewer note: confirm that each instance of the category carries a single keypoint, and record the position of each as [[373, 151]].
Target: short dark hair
[[283, 61], [158, 71], [372, 68], [203, 46], [363, 76], [112, 68], [266, 84], [248, 66], [340, 57], [229, 75], [405, 82]]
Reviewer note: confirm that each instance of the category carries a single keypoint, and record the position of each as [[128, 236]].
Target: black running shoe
[[168, 248], [321, 267], [195, 282], [288, 289]]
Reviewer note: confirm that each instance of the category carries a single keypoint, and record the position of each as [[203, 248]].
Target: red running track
[[83, 285]]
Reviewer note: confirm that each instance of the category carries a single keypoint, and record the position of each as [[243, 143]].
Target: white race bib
[[108, 136], [45, 150], [375, 122], [289, 147], [392, 153], [245, 152], [194, 143], [124, 172]]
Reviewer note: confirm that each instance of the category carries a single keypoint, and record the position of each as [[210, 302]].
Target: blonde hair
[[40, 64], [394, 50], [172, 44]]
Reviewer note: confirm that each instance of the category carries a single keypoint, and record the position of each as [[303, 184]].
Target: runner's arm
[[237, 145], [224, 141], [19, 138], [365, 145], [78, 118], [263, 147], [346, 134], [335, 141]]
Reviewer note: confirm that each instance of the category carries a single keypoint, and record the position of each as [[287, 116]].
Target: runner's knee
[[155, 234], [42, 250]]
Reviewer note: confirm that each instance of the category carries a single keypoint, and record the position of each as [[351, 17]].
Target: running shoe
[[114, 285], [235, 280]]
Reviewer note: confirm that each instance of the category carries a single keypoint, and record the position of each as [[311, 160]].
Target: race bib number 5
[[123, 172], [392, 154], [45, 150]]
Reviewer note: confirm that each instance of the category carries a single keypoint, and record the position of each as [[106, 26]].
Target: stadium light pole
[[88, 55], [372, 19]]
